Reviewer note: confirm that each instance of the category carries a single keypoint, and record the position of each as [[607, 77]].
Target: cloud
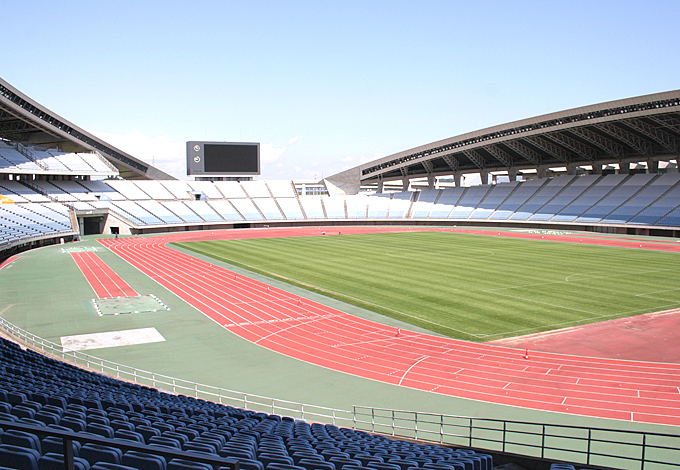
[[347, 159], [269, 153], [370, 158], [164, 153], [169, 155]]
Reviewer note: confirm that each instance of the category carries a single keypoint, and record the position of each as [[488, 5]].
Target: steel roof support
[[499, 154], [666, 140], [574, 145], [640, 145], [551, 148], [611, 147], [525, 152]]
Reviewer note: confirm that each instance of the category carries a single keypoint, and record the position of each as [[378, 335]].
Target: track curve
[[320, 335]]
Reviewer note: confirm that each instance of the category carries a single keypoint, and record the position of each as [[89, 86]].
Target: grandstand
[[607, 168]]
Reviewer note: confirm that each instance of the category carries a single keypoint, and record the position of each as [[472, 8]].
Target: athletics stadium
[[391, 316]]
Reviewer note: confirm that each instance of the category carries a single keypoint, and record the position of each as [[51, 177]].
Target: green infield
[[470, 287]]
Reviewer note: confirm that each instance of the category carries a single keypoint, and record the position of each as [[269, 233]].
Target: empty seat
[[55, 461], [21, 439], [181, 464], [19, 458], [94, 453], [144, 461]]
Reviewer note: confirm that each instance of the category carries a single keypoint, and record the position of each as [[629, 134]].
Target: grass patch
[[466, 286]]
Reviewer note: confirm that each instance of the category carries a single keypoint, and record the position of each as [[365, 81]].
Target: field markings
[[321, 289]]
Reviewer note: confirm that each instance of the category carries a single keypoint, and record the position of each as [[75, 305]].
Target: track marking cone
[[526, 354], [398, 332]]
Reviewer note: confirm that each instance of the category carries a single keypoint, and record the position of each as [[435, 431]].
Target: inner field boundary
[[308, 331]]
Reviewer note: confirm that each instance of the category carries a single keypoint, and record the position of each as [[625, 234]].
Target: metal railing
[[180, 386], [612, 448]]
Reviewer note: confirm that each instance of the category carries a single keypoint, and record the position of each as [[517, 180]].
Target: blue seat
[[283, 466], [199, 447], [129, 435], [94, 453], [21, 411], [53, 444], [267, 459], [19, 458], [247, 464], [100, 429], [147, 432], [165, 441], [73, 424], [181, 464], [313, 464], [47, 417], [21, 439], [117, 424], [110, 466], [340, 462], [55, 461], [144, 461]]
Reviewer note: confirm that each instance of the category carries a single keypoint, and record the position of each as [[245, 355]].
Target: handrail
[[180, 386], [124, 444], [606, 447]]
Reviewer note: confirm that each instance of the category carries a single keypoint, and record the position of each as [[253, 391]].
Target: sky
[[324, 86]]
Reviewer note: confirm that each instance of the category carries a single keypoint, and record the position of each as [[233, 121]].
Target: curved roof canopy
[[26, 121], [645, 128]]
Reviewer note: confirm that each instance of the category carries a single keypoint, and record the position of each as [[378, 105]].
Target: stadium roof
[[645, 128], [26, 121]]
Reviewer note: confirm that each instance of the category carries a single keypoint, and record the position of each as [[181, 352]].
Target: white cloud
[[269, 153], [169, 155], [370, 158], [162, 152], [347, 159]]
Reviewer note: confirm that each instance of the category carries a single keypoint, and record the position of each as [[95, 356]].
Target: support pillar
[[512, 174], [405, 184], [430, 181], [652, 167], [597, 168], [571, 169], [542, 171], [485, 176], [456, 179], [381, 186]]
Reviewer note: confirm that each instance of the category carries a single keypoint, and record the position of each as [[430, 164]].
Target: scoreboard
[[223, 158]]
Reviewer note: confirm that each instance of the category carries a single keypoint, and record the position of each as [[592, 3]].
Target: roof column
[[430, 181], [380, 186], [512, 174], [485, 176], [456, 179], [652, 166], [597, 168], [542, 171], [405, 184], [571, 169]]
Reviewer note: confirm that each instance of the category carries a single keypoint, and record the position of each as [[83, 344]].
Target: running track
[[299, 328], [103, 280]]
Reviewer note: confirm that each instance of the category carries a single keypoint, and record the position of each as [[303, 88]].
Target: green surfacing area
[[45, 293], [465, 286]]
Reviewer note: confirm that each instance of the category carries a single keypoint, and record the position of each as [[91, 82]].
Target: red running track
[[103, 280], [300, 328]]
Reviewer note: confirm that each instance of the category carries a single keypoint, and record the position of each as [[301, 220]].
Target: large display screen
[[223, 158]]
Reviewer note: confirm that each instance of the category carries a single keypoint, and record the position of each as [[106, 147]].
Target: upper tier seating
[[47, 393]]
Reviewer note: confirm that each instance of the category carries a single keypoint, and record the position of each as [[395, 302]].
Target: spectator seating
[[47, 393]]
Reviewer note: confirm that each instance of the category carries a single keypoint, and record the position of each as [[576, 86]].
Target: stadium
[[527, 321]]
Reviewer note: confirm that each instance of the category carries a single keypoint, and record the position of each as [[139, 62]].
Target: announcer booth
[[223, 161]]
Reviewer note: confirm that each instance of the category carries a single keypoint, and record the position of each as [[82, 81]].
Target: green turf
[[466, 286]]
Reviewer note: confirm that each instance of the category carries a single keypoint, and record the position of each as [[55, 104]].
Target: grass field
[[470, 287]]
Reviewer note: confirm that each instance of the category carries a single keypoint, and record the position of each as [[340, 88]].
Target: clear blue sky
[[326, 85]]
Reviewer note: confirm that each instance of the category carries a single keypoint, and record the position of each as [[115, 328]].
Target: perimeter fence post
[[644, 448]]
